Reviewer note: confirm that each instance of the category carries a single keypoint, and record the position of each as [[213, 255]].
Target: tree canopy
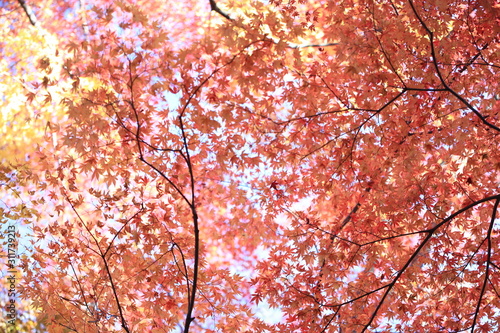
[[185, 166]]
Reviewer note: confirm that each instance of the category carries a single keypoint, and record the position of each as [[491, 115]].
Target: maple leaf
[[339, 162]]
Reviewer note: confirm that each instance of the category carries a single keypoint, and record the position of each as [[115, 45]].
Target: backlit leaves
[[193, 162]]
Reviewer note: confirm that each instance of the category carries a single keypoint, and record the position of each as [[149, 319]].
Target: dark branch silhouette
[[215, 8], [440, 75], [29, 13]]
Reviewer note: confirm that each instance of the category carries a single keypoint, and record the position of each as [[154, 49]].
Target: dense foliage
[[185, 165]]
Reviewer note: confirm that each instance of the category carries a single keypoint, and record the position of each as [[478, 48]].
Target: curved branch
[[120, 230], [487, 271], [421, 246], [215, 8], [440, 75]]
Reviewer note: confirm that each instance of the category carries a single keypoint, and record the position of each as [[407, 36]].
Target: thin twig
[[103, 257]]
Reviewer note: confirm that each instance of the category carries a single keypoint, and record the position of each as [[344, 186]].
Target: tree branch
[[487, 271], [103, 257], [29, 13], [312, 45], [196, 231], [431, 233], [115, 294], [440, 75], [215, 8]]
